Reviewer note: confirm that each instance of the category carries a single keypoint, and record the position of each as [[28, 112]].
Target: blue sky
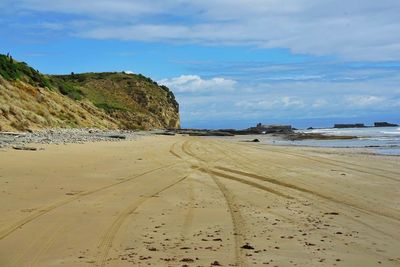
[[231, 63]]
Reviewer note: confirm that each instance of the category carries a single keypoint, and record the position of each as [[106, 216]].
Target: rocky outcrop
[[354, 125], [270, 129], [384, 124]]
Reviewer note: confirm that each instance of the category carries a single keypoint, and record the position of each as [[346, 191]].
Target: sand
[[186, 201]]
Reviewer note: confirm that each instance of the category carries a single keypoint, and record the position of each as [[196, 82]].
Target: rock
[[268, 129], [355, 125], [215, 263], [255, 140], [317, 136], [384, 124]]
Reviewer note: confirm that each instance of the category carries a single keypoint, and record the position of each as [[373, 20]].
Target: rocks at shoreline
[[273, 128], [384, 124], [204, 132], [317, 136], [63, 136], [349, 125], [258, 129], [362, 125]]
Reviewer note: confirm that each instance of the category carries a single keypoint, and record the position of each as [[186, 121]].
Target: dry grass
[[24, 107]]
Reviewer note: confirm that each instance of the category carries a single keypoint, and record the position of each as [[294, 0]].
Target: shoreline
[[324, 139]]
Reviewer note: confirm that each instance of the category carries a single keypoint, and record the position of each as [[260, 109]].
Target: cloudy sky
[[231, 63]]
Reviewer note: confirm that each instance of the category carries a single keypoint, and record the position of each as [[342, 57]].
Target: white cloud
[[128, 72], [320, 103], [365, 100], [272, 103], [352, 30], [194, 83], [289, 102]]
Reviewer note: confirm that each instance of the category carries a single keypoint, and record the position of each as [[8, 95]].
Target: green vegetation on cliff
[[130, 101], [14, 70]]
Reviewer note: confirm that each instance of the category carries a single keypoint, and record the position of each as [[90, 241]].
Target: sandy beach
[[187, 201]]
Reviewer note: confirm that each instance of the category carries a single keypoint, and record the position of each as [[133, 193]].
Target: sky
[[230, 63]]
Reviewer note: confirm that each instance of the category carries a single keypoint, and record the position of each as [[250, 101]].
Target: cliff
[[30, 100]]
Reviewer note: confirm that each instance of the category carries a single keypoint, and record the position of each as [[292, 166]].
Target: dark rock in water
[[354, 125], [317, 136], [255, 140], [267, 129], [310, 128], [384, 124]]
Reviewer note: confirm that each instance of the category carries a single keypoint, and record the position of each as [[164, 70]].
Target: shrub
[[109, 107], [70, 90], [12, 70]]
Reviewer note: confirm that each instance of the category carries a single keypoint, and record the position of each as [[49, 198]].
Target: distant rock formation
[[354, 125], [268, 129], [384, 124]]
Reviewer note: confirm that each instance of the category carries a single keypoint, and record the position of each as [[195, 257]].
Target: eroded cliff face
[[31, 100], [25, 107], [134, 100]]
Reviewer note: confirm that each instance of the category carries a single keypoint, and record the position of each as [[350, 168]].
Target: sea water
[[382, 140]]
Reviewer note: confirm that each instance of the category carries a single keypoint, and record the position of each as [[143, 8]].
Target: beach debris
[[187, 260], [247, 246], [27, 148], [117, 136], [166, 133], [12, 133], [331, 213], [256, 140]]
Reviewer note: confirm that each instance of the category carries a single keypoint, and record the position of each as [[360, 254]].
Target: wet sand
[[186, 201]]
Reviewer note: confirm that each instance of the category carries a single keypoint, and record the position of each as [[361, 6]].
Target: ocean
[[381, 140]]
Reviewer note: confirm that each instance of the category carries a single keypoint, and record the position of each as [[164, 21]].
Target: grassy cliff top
[[134, 100], [11, 69]]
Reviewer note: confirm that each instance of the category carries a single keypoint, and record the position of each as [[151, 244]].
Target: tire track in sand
[[304, 190], [313, 193], [108, 238], [244, 181], [186, 150], [343, 164], [376, 229], [236, 218], [9, 230], [237, 221]]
